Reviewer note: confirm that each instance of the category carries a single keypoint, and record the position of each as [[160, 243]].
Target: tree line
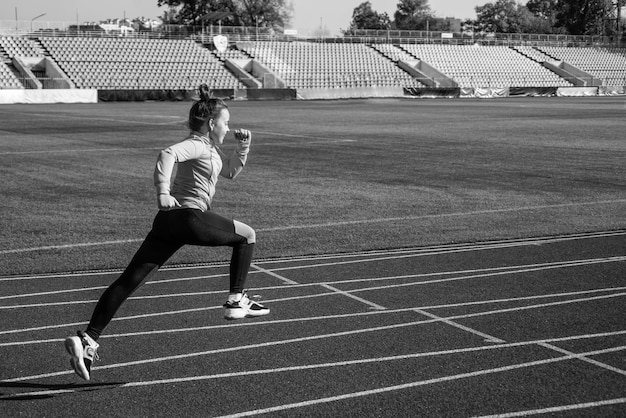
[[261, 13], [574, 17]]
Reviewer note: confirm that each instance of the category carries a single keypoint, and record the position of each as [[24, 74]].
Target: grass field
[[421, 258], [328, 176]]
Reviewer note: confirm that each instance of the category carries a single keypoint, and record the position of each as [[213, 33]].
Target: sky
[[309, 15]]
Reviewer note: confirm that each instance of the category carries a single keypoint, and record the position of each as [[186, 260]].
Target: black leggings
[[170, 231]]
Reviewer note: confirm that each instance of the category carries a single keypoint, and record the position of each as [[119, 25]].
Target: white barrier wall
[[31, 96], [349, 93]]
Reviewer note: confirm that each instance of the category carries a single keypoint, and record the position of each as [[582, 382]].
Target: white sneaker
[[244, 308], [83, 351]]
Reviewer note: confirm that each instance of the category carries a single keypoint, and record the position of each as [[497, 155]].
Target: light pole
[[33, 19]]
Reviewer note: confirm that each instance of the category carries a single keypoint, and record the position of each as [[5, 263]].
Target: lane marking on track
[[376, 256], [271, 273], [411, 385], [324, 336], [343, 364], [471, 274], [583, 358], [336, 224], [562, 408], [354, 297], [386, 287], [301, 319], [487, 338]]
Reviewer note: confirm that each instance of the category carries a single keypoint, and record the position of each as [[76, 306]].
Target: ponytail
[[205, 109]]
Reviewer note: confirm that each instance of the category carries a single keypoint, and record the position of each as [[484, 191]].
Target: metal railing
[[469, 38], [204, 33]]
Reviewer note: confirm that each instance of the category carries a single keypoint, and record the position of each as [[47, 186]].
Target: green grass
[[323, 176]]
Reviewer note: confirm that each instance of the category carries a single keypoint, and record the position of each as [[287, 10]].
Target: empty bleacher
[[8, 80], [17, 46], [162, 64], [319, 65], [10, 47], [533, 53], [231, 53], [607, 64], [486, 66], [121, 63]]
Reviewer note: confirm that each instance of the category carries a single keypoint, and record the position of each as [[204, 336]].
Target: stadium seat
[[114, 63], [316, 65]]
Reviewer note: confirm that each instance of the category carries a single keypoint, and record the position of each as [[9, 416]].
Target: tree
[[504, 16], [413, 15], [583, 17], [545, 15], [364, 17], [264, 13], [543, 8], [575, 17]]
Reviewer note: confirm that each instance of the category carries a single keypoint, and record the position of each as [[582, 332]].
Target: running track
[[504, 328]]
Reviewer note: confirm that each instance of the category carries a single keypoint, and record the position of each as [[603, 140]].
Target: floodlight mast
[[619, 23], [33, 19], [613, 12]]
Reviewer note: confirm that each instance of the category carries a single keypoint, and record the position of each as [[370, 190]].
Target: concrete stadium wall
[[38, 96], [350, 93]]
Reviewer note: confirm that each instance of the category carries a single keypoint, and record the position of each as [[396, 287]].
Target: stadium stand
[[607, 64], [129, 63], [318, 65], [231, 54], [486, 66], [8, 80], [20, 46], [121, 63], [533, 53]]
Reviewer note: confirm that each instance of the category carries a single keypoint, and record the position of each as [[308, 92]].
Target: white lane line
[[351, 296], [583, 358], [86, 289], [411, 385], [271, 273], [292, 320], [487, 338], [498, 271], [185, 311], [557, 409], [349, 362], [330, 224], [326, 336]]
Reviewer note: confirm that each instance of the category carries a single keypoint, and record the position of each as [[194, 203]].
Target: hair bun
[[205, 93]]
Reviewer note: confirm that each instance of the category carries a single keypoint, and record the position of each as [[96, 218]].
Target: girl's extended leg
[[211, 229], [242, 257], [149, 258]]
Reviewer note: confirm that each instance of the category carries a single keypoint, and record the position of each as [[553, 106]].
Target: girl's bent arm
[[233, 164], [163, 172]]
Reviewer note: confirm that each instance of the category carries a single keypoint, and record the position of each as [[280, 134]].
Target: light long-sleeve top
[[199, 163]]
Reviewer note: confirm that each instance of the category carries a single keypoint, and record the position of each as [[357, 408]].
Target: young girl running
[[184, 218]]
